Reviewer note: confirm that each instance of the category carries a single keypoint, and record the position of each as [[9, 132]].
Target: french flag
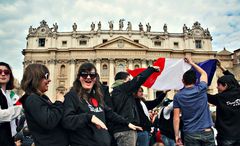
[[171, 72]]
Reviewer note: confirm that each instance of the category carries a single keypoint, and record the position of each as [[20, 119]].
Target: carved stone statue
[[55, 27], [30, 30], [43, 23], [129, 26], [207, 33], [99, 25], [165, 27], [92, 26], [185, 28], [110, 25], [148, 27], [121, 24], [74, 26], [140, 26]]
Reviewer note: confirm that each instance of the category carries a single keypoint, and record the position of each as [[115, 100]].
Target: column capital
[[98, 60], [111, 60], [130, 60], [90, 60], [72, 61], [52, 61], [143, 60]]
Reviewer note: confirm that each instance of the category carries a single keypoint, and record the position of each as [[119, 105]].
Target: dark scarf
[[6, 138]]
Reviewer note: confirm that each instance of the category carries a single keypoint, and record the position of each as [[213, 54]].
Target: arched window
[[136, 66], [62, 70], [105, 70], [120, 67]]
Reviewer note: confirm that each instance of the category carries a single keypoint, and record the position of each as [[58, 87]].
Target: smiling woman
[[85, 113], [8, 111], [43, 116]]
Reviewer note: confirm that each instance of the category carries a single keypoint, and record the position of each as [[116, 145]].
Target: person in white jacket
[[8, 111]]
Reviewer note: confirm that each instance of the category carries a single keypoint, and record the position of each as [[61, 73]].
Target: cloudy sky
[[221, 17]]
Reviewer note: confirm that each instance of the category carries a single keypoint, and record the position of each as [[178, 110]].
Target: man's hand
[[157, 68], [188, 60], [178, 141]]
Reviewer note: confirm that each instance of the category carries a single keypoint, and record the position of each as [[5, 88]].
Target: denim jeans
[[167, 141], [226, 142], [203, 138], [143, 138], [126, 138]]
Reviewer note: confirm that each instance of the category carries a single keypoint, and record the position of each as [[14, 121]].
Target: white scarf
[[10, 104], [145, 110]]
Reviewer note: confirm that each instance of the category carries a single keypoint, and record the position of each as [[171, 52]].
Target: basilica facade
[[114, 49]]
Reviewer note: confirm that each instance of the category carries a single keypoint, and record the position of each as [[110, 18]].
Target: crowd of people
[[88, 115]]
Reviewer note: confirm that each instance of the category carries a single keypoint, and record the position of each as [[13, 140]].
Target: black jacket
[[145, 123], [124, 102], [77, 119], [6, 138], [44, 120], [228, 111]]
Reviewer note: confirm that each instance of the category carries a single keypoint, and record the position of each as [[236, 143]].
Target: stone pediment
[[42, 31], [121, 43]]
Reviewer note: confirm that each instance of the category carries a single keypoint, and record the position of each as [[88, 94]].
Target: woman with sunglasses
[[8, 111], [43, 117], [85, 113]]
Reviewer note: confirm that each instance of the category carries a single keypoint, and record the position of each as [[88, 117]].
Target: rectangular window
[[105, 83], [175, 44], [82, 42], [41, 42], [64, 43], [157, 43], [198, 44], [136, 41], [104, 40]]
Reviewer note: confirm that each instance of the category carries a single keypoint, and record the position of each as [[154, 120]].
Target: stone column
[[150, 91], [52, 85], [130, 63], [98, 66], [72, 72], [111, 73], [91, 61], [144, 65]]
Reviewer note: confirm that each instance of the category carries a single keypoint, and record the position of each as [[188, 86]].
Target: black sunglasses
[[5, 71], [46, 76], [86, 74]]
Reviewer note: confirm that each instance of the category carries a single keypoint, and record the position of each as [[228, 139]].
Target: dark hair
[[167, 101], [228, 80], [189, 77], [121, 75], [10, 84], [96, 90], [18, 136], [32, 76]]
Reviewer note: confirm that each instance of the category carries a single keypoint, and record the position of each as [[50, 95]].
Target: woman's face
[[43, 86], [88, 79], [140, 92], [221, 88], [4, 75]]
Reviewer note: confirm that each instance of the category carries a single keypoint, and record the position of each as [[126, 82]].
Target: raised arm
[[223, 69], [137, 81], [203, 74]]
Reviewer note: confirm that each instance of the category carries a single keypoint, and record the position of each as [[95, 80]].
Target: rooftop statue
[[74, 26]]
